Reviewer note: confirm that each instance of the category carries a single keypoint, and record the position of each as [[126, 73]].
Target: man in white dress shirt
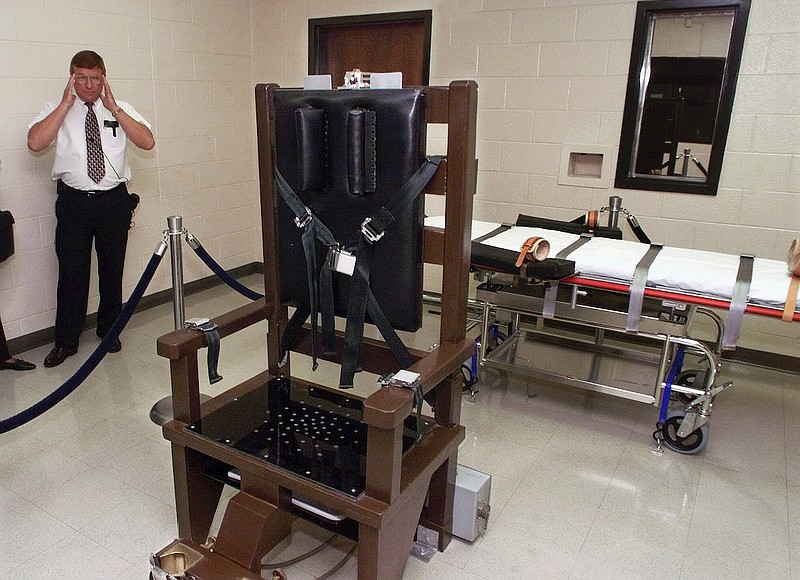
[[90, 129]]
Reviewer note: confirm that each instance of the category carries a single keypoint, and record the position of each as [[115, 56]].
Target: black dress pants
[[4, 354], [81, 220]]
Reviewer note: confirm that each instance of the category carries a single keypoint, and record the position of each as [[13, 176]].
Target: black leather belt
[[62, 187]]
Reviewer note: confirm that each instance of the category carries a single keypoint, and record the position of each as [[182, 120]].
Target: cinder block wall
[[551, 72], [187, 67]]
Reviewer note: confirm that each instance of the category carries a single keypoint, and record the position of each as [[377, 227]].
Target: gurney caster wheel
[[693, 443]]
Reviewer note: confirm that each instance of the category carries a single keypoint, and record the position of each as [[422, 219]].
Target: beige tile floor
[[577, 491]]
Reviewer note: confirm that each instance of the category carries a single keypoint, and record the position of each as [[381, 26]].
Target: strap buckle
[[370, 232], [305, 220], [199, 323], [340, 260], [404, 379]]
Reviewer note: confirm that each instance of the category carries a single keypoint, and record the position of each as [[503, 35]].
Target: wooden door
[[390, 42]]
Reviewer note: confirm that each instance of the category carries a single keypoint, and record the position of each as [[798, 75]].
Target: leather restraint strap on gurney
[[636, 300], [500, 260], [741, 289], [551, 290], [587, 226]]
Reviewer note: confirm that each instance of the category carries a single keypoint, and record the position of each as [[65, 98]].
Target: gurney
[[613, 316]]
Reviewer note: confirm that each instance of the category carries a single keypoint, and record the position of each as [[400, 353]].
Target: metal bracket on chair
[[407, 380], [306, 219], [369, 232]]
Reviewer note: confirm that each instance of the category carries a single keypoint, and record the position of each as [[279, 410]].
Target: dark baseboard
[[165, 296], [45, 336], [782, 362]]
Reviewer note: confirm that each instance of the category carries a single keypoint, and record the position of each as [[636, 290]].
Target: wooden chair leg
[[383, 553], [439, 514], [250, 528], [196, 494]]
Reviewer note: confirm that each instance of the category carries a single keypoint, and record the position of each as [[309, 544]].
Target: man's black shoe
[[116, 346], [17, 364], [57, 355]]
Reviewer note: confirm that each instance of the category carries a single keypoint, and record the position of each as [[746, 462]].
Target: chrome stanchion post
[[162, 411], [174, 231], [687, 155], [614, 207]]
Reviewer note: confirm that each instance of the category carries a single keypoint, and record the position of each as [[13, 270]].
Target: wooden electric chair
[[368, 463]]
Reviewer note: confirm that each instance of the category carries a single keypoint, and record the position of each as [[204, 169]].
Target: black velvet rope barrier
[[221, 273], [94, 359]]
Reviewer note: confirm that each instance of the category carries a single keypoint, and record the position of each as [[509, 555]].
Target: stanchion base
[[161, 412]]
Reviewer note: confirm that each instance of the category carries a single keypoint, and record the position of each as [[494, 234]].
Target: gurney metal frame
[[652, 356], [593, 360]]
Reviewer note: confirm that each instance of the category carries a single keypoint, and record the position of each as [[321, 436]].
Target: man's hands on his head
[[107, 96], [43, 133], [137, 132], [69, 94]]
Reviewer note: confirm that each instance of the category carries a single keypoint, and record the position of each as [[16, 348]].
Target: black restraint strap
[[324, 289], [372, 231], [211, 332], [292, 330], [213, 342], [327, 309], [313, 229], [361, 296], [637, 229], [374, 227], [498, 230]]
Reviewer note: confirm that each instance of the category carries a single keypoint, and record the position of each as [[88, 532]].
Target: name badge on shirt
[[112, 124]]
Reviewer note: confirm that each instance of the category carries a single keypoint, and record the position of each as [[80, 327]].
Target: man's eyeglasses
[[83, 79]]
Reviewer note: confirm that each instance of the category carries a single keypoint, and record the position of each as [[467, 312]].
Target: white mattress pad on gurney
[[693, 272], [479, 228]]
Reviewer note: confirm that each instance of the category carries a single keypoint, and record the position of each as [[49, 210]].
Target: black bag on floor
[[6, 235]]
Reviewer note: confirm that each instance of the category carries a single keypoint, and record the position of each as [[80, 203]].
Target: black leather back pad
[[321, 139]]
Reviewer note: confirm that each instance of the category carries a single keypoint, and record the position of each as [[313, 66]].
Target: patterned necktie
[[95, 164]]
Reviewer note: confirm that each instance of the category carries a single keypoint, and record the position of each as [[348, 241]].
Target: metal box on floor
[[471, 503]]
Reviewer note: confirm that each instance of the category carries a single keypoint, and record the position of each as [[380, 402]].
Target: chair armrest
[[183, 342], [442, 361], [387, 408]]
